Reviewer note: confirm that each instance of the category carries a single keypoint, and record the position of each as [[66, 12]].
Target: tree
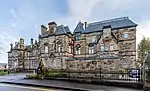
[[143, 48]]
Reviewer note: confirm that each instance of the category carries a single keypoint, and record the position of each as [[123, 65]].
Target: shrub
[[3, 72]]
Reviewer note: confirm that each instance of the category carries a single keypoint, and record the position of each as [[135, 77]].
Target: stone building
[[109, 44], [22, 56]]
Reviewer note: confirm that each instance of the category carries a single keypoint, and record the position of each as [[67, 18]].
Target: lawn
[[3, 72]]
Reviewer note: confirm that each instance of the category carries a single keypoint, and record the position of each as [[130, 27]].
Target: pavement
[[18, 79]]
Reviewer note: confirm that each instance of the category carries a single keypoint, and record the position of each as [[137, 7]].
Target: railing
[[102, 76]]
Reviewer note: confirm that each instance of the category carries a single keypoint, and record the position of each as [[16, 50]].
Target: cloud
[[91, 9], [81, 9], [14, 14], [22, 20], [94, 10], [6, 39]]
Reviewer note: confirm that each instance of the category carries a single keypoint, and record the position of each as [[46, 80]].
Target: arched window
[[59, 46], [91, 48], [78, 49]]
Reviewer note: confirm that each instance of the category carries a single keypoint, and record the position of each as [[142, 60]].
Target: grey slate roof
[[67, 29], [28, 47], [16, 46], [114, 23], [59, 30], [79, 28], [45, 34]]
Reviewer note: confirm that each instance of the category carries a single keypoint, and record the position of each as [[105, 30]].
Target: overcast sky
[[22, 18]]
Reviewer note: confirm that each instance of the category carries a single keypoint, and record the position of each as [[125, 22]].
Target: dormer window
[[78, 36]]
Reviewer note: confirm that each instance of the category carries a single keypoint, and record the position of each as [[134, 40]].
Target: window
[[78, 49], [125, 35], [102, 47], [46, 49], [59, 48], [112, 47], [78, 36], [70, 49], [93, 40], [91, 48]]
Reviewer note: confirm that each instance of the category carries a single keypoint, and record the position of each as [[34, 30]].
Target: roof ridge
[[110, 20]]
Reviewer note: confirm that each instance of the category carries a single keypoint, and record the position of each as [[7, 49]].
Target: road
[[8, 87], [19, 78]]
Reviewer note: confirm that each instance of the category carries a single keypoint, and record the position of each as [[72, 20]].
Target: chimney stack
[[31, 42], [85, 25], [11, 47], [21, 43]]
